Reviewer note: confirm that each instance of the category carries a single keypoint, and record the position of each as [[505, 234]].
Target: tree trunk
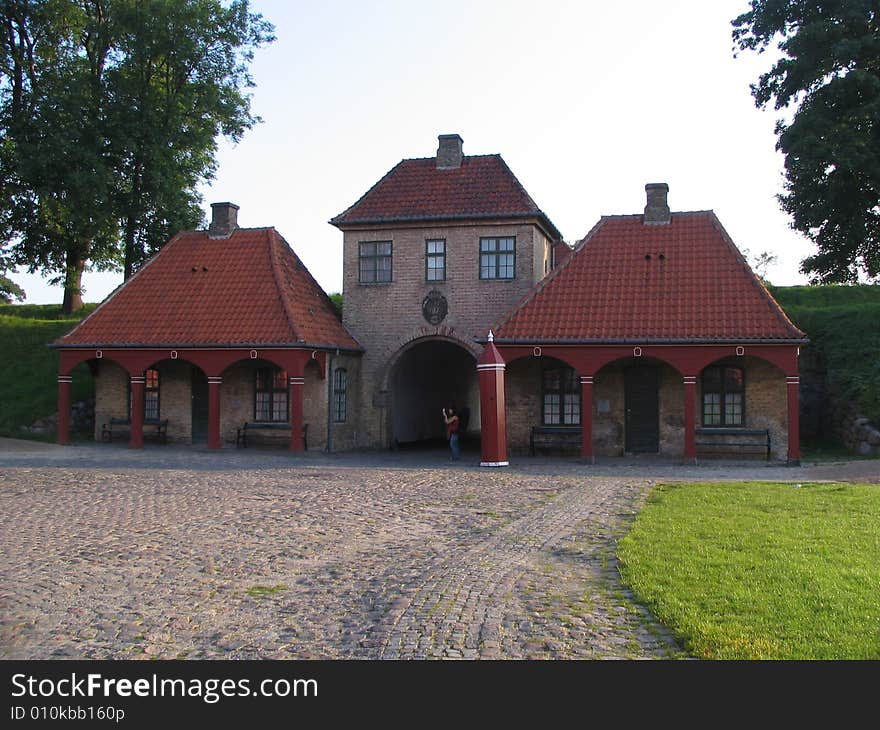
[[129, 249], [76, 264]]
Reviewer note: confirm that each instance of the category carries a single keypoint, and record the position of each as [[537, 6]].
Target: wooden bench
[[555, 436], [733, 441], [152, 427], [250, 429]]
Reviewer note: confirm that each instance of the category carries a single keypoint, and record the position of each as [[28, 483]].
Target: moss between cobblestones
[[263, 591]]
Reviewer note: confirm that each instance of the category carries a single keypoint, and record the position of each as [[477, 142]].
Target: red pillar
[[214, 383], [136, 440], [792, 383], [690, 425], [493, 416], [295, 395], [587, 417], [63, 432]]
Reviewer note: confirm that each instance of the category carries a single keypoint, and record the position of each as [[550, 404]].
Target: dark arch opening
[[426, 378]]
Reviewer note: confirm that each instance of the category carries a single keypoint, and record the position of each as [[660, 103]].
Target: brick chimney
[[657, 209], [449, 152], [224, 220]]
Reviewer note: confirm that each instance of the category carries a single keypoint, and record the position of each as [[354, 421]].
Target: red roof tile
[[629, 281], [247, 289], [416, 190]]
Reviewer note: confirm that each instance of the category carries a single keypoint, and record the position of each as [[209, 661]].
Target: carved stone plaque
[[434, 307]]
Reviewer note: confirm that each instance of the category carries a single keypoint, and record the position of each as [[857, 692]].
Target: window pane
[[488, 244], [712, 409], [505, 244], [279, 406], [733, 409], [505, 266], [261, 412], [487, 270], [151, 405], [152, 378], [572, 411], [368, 249], [383, 248], [551, 408], [368, 271]]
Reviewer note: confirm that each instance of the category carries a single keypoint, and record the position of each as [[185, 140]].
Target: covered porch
[[641, 399]]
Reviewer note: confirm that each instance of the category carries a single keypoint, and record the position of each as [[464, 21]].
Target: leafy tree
[[10, 291], [111, 111], [828, 72]]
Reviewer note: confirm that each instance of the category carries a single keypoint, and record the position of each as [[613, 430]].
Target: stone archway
[[427, 376]]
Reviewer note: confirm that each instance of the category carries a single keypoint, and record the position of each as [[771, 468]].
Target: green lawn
[[29, 386], [761, 570]]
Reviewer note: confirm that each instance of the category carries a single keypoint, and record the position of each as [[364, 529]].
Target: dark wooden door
[[199, 406], [642, 419]]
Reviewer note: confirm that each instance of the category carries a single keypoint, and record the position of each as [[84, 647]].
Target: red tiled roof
[[247, 289], [416, 190], [695, 286]]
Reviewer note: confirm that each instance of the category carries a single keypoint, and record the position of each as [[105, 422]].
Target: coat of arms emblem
[[434, 307]]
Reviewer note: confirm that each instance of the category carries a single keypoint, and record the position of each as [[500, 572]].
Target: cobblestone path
[[109, 554]]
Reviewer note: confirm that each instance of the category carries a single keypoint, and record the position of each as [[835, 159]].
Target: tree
[[10, 291], [111, 111], [828, 73]]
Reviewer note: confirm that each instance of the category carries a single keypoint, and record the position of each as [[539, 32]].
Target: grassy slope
[[761, 571], [28, 388], [843, 323]]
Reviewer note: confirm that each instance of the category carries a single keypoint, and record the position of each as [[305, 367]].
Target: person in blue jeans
[[450, 418]]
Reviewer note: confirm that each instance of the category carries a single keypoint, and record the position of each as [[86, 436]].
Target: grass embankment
[[843, 324], [759, 570], [28, 388]]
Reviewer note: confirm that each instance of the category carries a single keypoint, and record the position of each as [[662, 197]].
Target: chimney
[[224, 220], [449, 152], [657, 209]]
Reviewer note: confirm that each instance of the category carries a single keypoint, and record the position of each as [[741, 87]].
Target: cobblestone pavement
[[180, 553]]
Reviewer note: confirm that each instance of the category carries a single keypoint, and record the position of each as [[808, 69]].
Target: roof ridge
[[775, 307], [177, 237], [282, 290]]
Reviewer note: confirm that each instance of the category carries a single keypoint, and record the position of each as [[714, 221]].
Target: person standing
[[450, 418]]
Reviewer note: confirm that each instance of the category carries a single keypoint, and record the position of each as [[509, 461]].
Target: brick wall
[[111, 394], [386, 317]]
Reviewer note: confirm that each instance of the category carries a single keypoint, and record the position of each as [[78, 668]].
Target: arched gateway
[[426, 376]]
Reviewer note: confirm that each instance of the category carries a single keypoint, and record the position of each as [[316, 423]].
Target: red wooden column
[[690, 425], [587, 417], [63, 432], [136, 440], [295, 396], [214, 383], [493, 416], [792, 383]]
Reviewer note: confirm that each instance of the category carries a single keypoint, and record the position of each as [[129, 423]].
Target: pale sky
[[586, 101]]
